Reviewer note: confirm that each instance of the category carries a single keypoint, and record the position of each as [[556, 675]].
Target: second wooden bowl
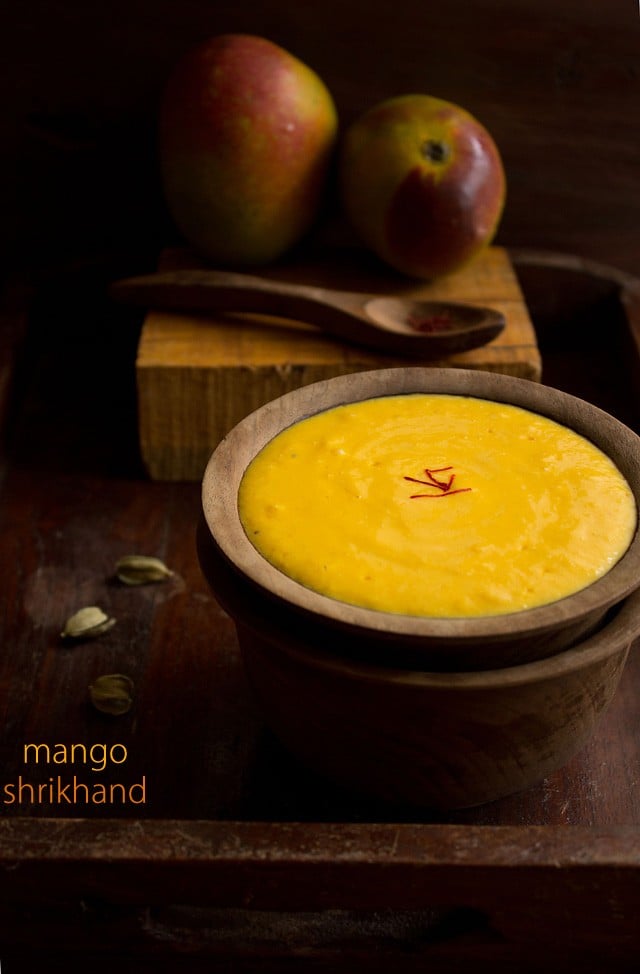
[[411, 737]]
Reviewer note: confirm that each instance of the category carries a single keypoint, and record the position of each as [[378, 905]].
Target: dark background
[[557, 82]]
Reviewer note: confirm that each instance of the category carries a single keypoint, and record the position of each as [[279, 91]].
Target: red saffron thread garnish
[[444, 486], [445, 493], [435, 322], [434, 480], [414, 480]]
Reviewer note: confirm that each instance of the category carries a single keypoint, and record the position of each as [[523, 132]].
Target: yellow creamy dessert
[[437, 505]]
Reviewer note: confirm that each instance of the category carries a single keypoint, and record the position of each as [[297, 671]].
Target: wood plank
[[483, 862], [198, 375], [467, 889]]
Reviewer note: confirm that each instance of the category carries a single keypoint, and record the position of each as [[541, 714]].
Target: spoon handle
[[208, 290], [337, 313], [341, 313]]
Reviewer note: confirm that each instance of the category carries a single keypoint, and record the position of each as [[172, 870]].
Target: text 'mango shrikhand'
[[437, 505]]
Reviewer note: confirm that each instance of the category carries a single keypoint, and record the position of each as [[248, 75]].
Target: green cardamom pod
[[112, 694], [87, 623], [141, 570]]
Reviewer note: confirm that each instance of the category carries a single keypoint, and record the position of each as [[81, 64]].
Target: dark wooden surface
[[239, 857], [543, 880], [236, 899]]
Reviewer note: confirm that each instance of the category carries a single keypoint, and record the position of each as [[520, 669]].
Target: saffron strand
[[444, 486], [447, 493]]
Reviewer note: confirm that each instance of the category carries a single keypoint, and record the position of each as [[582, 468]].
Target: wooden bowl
[[436, 740], [441, 740], [232, 564]]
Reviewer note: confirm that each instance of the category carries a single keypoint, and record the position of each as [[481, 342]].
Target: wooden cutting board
[[198, 375]]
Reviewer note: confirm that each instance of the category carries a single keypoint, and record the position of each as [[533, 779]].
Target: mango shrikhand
[[437, 505]]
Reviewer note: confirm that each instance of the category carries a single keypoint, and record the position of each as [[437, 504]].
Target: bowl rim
[[614, 637], [230, 458]]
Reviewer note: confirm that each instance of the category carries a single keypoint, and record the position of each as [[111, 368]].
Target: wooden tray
[[197, 375], [239, 859]]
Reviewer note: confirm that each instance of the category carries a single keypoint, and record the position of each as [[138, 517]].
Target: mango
[[422, 184], [247, 133]]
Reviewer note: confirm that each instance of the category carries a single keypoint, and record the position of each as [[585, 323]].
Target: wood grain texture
[[266, 894], [548, 878], [198, 375]]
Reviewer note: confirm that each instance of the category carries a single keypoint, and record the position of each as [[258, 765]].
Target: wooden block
[[198, 375]]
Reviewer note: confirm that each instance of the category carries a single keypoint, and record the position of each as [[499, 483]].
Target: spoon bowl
[[443, 322], [394, 325]]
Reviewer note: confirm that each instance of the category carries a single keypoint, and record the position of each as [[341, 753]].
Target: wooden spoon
[[399, 325]]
